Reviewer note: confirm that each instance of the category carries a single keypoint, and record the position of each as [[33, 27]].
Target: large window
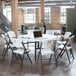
[[47, 15], [63, 17], [7, 13], [30, 15]]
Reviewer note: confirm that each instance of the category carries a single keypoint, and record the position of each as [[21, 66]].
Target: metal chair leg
[[22, 61], [59, 54], [12, 59], [50, 58], [55, 59], [72, 53], [29, 58], [5, 53], [41, 62], [67, 55], [38, 57]]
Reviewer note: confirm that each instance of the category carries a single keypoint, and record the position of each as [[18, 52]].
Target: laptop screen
[[37, 34]]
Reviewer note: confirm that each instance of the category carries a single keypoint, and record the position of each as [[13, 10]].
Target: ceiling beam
[[36, 3]]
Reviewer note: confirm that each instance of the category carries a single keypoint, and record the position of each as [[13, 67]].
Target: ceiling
[[47, 3]]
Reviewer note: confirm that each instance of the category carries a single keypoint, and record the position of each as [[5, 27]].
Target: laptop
[[37, 34]]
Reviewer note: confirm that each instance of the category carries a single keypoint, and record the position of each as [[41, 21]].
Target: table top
[[45, 37]]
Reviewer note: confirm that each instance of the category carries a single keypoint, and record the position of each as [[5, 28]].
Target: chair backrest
[[67, 34], [8, 38], [4, 38], [70, 40], [11, 34], [25, 46], [15, 42], [14, 45], [2, 35], [48, 44]]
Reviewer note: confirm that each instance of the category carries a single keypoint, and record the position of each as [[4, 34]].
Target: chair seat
[[17, 43], [47, 51], [11, 34], [69, 47], [19, 51], [61, 42], [5, 46], [60, 46], [66, 47], [31, 47]]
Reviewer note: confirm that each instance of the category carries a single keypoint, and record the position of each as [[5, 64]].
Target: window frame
[[30, 16]]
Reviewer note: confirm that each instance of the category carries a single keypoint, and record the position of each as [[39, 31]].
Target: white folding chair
[[65, 47], [20, 51], [10, 41], [11, 34], [67, 34], [46, 52], [6, 45]]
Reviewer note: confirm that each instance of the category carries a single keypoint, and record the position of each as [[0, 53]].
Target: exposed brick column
[[20, 16], [37, 15], [42, 10], [15, 16], [1, 6], [55, 17]]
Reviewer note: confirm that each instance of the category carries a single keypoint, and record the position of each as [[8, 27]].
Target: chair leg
[[67, 55], [41, 62], [29, 58], [12, 59], [6, 50], [22, 61], [3, 52], [50, 58], [38, 56], [72, 53], [60, 54], [55, 59]]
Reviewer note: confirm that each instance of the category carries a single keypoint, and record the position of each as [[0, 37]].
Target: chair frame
[[22, 58], [63, 50], [54, 50]]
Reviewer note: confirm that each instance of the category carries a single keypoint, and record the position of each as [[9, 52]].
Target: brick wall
[[1, 6], [20, 16], [55, 17], [37, 15]]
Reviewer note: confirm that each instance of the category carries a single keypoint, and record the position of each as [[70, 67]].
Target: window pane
[[47, 15], [29, 11], [30, 15], [63, 15], [9, 15]]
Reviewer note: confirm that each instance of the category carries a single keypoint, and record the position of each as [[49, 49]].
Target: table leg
[[35, 51], [36, 47]]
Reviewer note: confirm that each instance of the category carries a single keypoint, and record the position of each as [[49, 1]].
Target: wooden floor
[[35, 70]]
